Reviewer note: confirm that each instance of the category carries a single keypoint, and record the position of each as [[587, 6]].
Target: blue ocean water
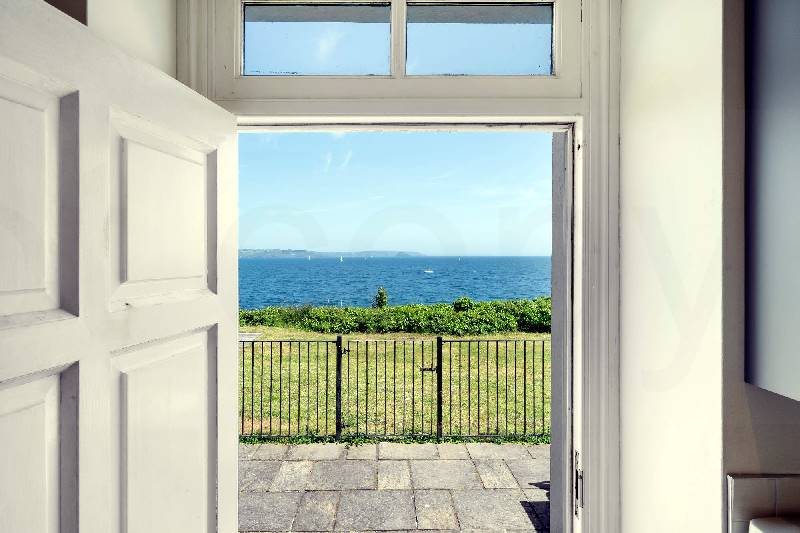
[[354, 281]]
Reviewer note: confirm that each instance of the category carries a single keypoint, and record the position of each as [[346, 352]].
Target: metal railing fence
[[408, 387]]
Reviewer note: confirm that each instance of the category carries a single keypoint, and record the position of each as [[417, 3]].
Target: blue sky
[[439, 193], [276, 45]]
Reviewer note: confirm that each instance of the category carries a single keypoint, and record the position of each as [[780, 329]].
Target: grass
[[385, 394]]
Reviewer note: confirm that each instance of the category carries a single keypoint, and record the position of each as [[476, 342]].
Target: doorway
[[315, 368]]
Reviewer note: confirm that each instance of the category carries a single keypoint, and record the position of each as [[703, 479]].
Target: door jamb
[[566, 150]]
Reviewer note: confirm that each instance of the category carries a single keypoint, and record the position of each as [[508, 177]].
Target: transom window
[[317, 39], [397, 39]]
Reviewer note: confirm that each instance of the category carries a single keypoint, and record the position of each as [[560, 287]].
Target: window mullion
[[398, 48]]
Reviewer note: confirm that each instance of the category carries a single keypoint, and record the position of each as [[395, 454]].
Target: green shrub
[[463, 304], [463, 317], [381, 299]]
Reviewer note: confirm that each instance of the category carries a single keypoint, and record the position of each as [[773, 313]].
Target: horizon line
[[419, 254]]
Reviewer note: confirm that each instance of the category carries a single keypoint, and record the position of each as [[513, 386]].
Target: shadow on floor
[[539, 511]]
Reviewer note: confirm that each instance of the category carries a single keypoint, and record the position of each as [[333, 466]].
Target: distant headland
[[256, 253]]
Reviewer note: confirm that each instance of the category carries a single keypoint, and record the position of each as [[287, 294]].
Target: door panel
[[29, 464], [118, 292], [164, 436], [163, 194], [30, 180]]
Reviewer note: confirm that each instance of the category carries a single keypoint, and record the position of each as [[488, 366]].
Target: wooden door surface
[[118, 291]]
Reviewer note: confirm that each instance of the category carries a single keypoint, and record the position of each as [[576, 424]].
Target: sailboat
[[341, 259]]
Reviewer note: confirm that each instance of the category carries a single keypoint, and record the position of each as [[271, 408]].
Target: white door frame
[[595, 123], [564, 415]]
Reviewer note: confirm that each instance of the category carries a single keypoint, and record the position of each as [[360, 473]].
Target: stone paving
[[394, 487]]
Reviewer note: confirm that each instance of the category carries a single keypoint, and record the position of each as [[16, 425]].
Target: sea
[[353, 281]]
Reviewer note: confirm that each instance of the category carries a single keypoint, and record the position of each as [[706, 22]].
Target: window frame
[[228, 83], [591, 104]]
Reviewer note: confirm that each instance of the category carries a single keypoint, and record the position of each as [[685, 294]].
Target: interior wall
[[761, 429], [146, 29], [671, 266]]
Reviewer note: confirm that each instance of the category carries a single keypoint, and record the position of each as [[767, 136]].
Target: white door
[[118, 292]]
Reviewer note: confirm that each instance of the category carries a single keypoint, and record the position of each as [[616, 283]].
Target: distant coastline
[[275, 253]]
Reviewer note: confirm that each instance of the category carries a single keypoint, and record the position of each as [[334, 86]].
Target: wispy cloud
[[327, 44], [328, 161], [490, 192], [346, 160], [512, 193], [443, 176]]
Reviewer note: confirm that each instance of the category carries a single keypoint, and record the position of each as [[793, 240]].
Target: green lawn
[[284, 389]]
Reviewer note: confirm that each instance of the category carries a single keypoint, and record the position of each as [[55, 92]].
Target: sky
[[304, 40], [438, 193]]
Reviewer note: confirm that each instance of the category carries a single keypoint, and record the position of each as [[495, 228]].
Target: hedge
[[463, 317]]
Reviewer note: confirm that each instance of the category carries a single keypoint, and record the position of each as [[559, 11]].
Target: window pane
[[510, 40], [320, 39]]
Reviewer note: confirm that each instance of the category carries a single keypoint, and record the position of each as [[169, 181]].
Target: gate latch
[[427, 369]]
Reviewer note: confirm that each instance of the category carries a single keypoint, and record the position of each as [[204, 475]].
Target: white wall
[[671, 266], [145, 29]]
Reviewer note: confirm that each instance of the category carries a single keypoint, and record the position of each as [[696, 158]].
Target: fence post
[[438, 388], [338, 387]]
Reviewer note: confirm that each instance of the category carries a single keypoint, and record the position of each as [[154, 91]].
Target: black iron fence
[[409, 387]]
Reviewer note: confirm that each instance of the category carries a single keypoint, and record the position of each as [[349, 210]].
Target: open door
[[564, 501], [118, 292]]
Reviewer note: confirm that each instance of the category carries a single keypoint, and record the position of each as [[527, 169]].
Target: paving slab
[[488, 450], [540, 493], [363, 451], [539, 451], [529, 472], [293, 475], [435, 510], [539, 514], [495, 474], [539, 501], [492, 509], [318, 451], [445, 474], [394, 475], [428, 531], [270, 452], [317, 511], [257, 475], [451, 450], [267, 511], [246, 451], [395, 450], [342, 475], [375, 510], [449, 484]]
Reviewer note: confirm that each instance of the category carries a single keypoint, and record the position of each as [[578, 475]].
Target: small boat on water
[[428, 271], [341, 259]]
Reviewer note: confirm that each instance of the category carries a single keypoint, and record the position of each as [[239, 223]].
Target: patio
[[391, 487]]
